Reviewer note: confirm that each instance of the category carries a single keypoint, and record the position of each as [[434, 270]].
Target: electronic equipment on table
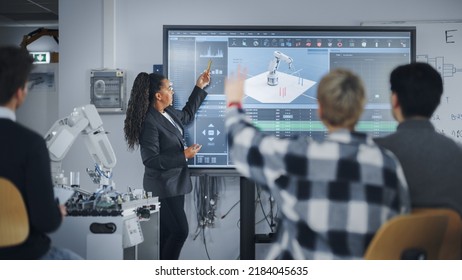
[[108, 225], [104, 224]]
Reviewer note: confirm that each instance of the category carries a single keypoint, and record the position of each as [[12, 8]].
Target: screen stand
[[247, 229]]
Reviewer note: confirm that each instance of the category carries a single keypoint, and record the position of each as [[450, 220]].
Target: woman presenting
[[157, 128]]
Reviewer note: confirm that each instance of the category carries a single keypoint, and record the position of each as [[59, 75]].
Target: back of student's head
[[15, 66], [342, 96], [419, 88]]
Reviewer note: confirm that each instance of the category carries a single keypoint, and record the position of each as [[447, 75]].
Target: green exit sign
[[40, 57]]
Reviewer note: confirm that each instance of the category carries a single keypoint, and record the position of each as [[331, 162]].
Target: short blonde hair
[[342, 96]]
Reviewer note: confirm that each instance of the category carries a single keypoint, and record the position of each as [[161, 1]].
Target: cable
[[205, 195], [232, 207], [263, 210], [205, 243], [101, 172], [198, 232]]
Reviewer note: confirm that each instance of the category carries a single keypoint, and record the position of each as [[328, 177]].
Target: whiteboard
[[439, 43]]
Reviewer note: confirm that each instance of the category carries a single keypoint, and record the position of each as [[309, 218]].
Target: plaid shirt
[[333, 195]]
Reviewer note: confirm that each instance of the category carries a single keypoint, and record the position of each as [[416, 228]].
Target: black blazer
[[25, 161], [166, 171]]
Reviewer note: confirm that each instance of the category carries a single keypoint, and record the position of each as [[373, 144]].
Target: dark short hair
[[418, 87], [15, 67]]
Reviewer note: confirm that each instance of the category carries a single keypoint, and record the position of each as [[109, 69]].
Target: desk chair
[[452, 243], [410, 236], [14, 223]]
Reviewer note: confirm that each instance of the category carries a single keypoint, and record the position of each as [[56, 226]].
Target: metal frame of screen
[[283, 104]]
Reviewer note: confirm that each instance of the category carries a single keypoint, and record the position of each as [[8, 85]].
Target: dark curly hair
[[142, 95]]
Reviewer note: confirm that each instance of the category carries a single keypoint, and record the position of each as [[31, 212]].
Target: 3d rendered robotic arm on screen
[[274, 64], [83, 121]]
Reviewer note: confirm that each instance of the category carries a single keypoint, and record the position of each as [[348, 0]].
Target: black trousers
[[173, 227]]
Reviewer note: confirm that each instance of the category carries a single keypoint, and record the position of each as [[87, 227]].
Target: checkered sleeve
[[263, 158]]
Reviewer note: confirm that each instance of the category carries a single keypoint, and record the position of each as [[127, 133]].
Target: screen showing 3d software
[[284, 66]]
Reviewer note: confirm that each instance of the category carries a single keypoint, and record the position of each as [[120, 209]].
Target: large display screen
[[284, 65]]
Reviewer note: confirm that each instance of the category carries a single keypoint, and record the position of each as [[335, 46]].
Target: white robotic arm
[[87, 122], [274, 64]]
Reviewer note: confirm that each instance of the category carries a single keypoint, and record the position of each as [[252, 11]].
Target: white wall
[[138, 45], [45, 102]]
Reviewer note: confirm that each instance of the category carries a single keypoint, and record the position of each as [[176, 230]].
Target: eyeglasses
[[169, 88]]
